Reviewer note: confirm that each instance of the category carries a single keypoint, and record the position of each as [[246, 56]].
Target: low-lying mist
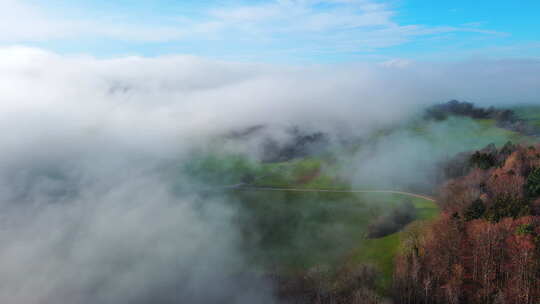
[[95, 203]]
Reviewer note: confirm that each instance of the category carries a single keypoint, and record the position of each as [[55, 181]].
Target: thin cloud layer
[[292, 26]]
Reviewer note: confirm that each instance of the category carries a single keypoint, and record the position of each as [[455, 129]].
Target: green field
[[441, 139], [381, 251], [458, 134], [294, 231], [529, 113]]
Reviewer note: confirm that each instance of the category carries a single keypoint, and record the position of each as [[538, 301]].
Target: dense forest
[[485, 246]]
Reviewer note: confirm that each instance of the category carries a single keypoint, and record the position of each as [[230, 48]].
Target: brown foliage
[[504, 182], [472, 262], [486, 252], [508, 180], [459, 193]]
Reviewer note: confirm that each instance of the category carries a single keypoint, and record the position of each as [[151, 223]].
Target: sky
[[289, 31]]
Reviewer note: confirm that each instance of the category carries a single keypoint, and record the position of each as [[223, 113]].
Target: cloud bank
[[88, 211]]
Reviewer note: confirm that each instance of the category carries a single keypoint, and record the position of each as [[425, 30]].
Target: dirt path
[[262, 188]]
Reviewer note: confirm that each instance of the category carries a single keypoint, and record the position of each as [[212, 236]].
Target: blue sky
[[316, 31]]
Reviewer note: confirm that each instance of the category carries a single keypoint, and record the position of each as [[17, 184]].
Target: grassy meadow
[[529, 113]]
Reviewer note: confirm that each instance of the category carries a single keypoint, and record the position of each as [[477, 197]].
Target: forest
[[485, 246]]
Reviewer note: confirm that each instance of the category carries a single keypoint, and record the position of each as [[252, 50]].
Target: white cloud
[[341, 25], [24, 22], [398, 63]]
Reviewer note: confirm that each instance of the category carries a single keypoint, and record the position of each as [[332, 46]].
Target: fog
[[88, 211]]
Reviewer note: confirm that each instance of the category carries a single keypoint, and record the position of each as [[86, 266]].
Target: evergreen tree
[[475, 210], [533, 183]]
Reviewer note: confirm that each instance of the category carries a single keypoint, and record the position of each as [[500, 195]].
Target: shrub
[[393, 222]]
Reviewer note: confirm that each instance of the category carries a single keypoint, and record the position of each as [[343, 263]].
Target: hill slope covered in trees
[[485, 247]]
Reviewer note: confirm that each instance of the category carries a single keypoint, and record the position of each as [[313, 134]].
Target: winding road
[[263, 188]]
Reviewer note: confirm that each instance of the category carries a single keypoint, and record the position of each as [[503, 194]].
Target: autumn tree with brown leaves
[[485, 246]]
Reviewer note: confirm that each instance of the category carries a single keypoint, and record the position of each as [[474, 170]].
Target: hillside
[[485, 246], [380, 252], [305, 223]]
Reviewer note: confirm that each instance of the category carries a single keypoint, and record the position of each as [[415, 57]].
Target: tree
[[483, 160], [475, 210], [507, 206], [533, 183]]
